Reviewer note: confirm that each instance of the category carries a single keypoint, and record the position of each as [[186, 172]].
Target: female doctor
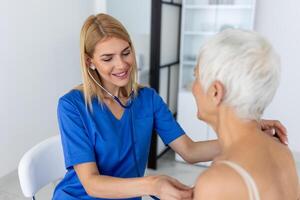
[[106, 124]]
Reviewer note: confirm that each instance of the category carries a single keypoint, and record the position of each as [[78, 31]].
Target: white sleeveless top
[[252, 188]]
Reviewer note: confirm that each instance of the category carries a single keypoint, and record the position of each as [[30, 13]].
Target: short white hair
[[248, 67]]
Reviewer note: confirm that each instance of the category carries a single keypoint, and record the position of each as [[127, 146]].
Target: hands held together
[[168, 188]]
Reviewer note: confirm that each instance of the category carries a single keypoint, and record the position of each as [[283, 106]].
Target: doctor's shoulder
[[147, 91], [74, 96]]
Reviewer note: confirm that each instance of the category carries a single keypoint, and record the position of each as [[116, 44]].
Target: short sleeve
[[75, 140], [164, 122]]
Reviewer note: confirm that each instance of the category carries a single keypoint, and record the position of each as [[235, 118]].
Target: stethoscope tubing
[[113, 96]]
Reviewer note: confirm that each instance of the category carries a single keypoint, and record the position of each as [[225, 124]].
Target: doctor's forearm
[[193, 152], [204, 151], [111, 187]]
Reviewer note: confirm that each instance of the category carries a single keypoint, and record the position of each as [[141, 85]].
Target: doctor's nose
[[120, 63]]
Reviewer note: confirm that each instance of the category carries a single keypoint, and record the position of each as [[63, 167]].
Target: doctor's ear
[[88, 62], [216, 92]]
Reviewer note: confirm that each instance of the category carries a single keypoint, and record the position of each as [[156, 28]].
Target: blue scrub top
[[109, 142]]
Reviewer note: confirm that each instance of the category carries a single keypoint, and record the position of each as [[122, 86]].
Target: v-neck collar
[[113, 116]]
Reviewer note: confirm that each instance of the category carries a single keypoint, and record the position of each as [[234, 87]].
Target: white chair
[[41, 165]]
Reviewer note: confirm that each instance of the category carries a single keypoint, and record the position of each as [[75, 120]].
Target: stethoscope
[[127, 106]]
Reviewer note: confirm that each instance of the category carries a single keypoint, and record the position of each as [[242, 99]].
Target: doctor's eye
[[126, 53], [107, 59]]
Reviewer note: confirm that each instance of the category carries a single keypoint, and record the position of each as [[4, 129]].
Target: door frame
[[155, 67]]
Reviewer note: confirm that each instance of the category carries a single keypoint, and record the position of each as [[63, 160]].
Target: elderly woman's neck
[[231, 129]]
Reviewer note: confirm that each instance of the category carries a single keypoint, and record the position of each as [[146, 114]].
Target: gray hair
[[248, 67]]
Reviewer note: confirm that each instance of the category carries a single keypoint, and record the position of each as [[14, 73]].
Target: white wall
[[100, 6], [134, 14], [39, 56], [279, 22]]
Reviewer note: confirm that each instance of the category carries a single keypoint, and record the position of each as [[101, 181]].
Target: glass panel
[[169, 34], [174, 88], [163, 83]]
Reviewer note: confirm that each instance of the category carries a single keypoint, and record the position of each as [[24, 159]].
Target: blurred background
[[39, 60]]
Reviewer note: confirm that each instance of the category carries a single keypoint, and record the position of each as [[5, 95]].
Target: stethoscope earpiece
[[92, 67]]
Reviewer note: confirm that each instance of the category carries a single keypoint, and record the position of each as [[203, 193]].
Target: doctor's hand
[[168, 188], [275, 129]]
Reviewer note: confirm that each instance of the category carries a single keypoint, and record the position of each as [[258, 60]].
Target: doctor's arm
[[100, 186], [193, 152]]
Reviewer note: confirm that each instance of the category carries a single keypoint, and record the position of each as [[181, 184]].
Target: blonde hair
[[98, 28]]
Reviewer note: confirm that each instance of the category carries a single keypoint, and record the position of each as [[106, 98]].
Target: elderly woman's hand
[[275, 129]]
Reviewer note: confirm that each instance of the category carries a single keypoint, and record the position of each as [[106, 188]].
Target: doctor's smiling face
[[113, 59]]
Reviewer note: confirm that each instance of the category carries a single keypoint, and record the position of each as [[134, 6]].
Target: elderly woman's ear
[[216, 92]]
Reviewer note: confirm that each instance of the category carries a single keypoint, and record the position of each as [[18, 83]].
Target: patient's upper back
[[272, 167], [269, 163]]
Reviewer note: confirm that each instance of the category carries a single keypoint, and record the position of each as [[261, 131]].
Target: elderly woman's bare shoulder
[[220, 182]]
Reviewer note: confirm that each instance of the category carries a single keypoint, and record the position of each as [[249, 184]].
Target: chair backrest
[[41, 165]]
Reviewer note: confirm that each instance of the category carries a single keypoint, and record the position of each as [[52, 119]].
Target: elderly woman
[[237, 76]]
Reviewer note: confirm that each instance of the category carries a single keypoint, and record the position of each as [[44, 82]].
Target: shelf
[[214, 7]]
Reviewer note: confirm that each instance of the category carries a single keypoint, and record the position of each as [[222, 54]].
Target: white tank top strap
[[251, 186]]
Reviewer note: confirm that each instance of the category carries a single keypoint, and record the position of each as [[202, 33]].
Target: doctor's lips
[[121, 75]]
